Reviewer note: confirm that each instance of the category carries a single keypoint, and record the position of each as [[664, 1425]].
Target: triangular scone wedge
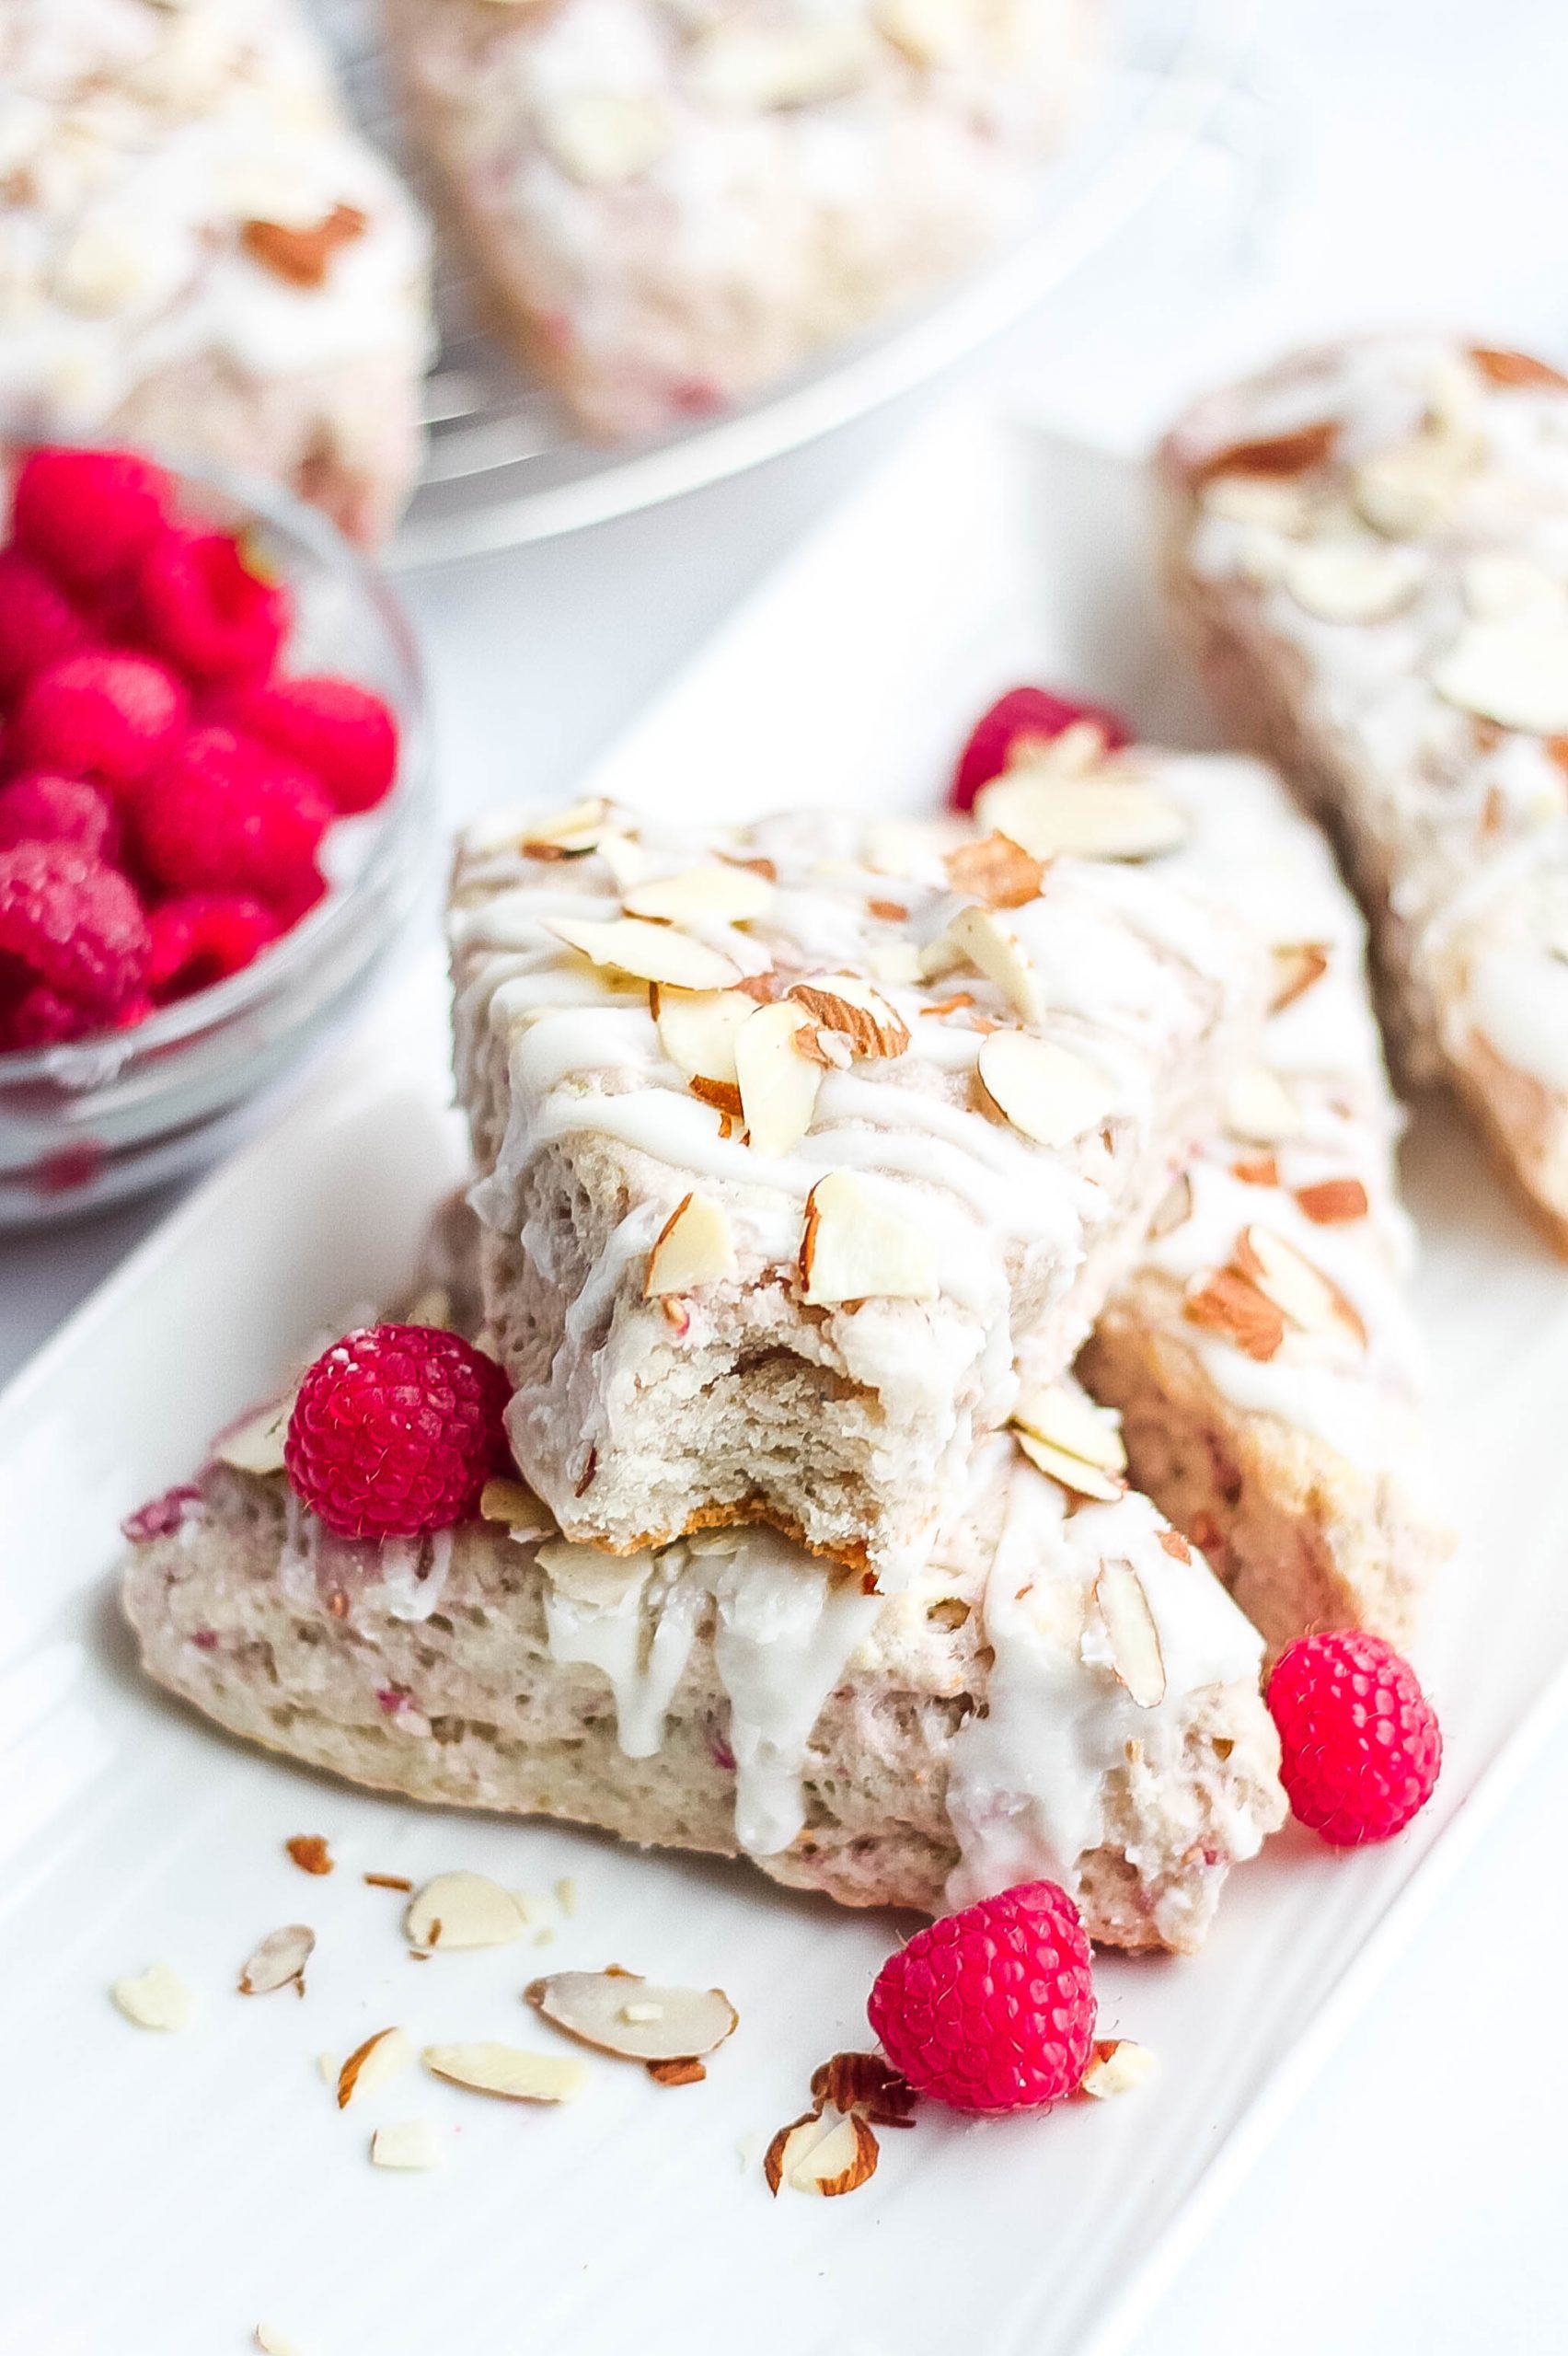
[[1367, 549], [1262, 1354], [1065, 1690], [801, 1143]]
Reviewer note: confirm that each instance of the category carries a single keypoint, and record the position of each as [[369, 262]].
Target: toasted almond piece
[[507, 2071], [1229, 1304], [1116, 2066], [1174, 1207], [565, 834], [1136, 1652], [310, 1853], [790, 2145], [657, 2025], [843, 2160], [1352, 581], [778, 1077], [857, 1247], [1408, 491], [1517, 368], [1513, 671], [157, 1998], [1279, 458], [1046, 1093], [1294, 1285], [1064, 1417], [257, 1445], [694, 1247], [994, 949], [407, 2144], [279, 1961], [696, 1029], [995, 870], [844, 1003], [374, 2063], [516, 1506], [1082, 1479], [1332, 1202], [717, 895], [649, 952], [1084, 818], [1259, 1109], [463, 1911], [1296, 965], [864, 2082], [685, 2071]]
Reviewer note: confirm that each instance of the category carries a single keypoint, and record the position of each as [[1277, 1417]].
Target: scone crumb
[[157, 1998]]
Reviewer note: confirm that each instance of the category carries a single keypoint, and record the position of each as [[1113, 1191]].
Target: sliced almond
[[1171, 1543], [790, 2145], [649, 952], [257, 1445], [777, 1076], [1081, 1479], [1260, 503], [844, 1004], [1229, 1304], [600, 138], [1116, 2066], [979, 937], [588, 1574], [431, 1307], [694, 1247], [279, 1961], [1174, 1207], [463, 1911], [686, 2071], [711, 894], [1083, 818], [856, 1247], [310, 1853], [1280, 457], [373, 2064], [273, 2342], [995, 870], [565, 833], [1517, 368], [656, 2025], [696, 1029], [1496, 586], [840, 2161], [515, 1507], [407, 2144], [1256, 1170], [1059, 1414], [1409, 491], [1513, 671], [1136, 1652], [1352, 581], [864, 2082], [896, 963], [1296, 967], [1307, 1296], [1259, 1109], [1333, 1202], [157, 1998], [1046, 1093], [507, 2071]]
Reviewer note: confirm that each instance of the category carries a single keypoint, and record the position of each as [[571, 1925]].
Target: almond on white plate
[[463, 1910], [618, 2012], [157, 1998], [507, 2071]]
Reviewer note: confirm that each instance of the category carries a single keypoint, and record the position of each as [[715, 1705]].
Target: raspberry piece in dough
[[394, 1430]]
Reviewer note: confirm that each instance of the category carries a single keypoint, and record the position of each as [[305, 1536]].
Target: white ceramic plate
[[164, 2195]]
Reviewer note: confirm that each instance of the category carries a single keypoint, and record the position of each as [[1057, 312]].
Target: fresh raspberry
[[37, 808], [71, 923], [42, 1018], [993, 2009], [225, 815], [1027, 713], [203, 939], [205, 608], [86, 515], [337, 730], [396, 1430], [102, 715], [39, 625], [1360, 1744]]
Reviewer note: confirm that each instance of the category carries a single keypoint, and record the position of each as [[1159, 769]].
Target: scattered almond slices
[[693, 1247], [279, 1961], [157, 1998], [1228, 1303], [1345, 580], [1304, 1294], [1072, 1439], [702, 894], [1513, 671], [412, 2144], [257, 1445], [374, 2063], [979, 938], [817, 2155], [1259, 1109], [310, 1853], [1083, 818], [1136, 1652], [995, 870], [1116, 2066], [568, 834], [648, 953], [778, 1070], [1296, 965], [618, 2012], [844, 1004], [697, 1028], [1045, 1091], [857, 1247], [463, 1910], [507, 2071]]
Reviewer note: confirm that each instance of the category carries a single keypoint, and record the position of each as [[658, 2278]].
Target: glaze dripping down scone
[[198, 254], [1367, 549], [801, 1146]]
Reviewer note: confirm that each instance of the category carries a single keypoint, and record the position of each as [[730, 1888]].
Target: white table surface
[[1415, 2200]]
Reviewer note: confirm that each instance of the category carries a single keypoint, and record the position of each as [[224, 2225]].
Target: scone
[[198, 254], [673, 202], [803, 1146], [1367, 549]]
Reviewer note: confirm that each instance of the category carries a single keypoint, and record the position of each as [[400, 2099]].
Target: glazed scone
[[1066, 1691], [802, 1145], [199, 255], [1367, 549], [672, 203]]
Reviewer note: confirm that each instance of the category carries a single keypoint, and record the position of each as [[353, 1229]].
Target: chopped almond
[[1279, 457], [310, 1853], [1334, 1201], [1510, 368], [844, 1004], [995, 870], [1229, 1304], [302, 256]]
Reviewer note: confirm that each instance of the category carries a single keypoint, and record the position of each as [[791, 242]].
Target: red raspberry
[[39, 808], [1359, 1741], [224, 815], [42, 1018], [86, 516], [39, 625], [204, 608], [203, 939], [342, 733], [71, 923], [1022, 712], [102, 715], [993, 2009], [396, 1430]]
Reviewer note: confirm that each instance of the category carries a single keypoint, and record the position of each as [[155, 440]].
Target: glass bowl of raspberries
[[215, 810]]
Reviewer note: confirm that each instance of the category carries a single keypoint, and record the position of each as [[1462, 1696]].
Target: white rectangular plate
[[164, 2194]]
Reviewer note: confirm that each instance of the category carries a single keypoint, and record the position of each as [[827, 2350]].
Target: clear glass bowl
[[99, 1120]]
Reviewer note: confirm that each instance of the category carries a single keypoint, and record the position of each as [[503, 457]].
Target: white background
[[1417, 168]]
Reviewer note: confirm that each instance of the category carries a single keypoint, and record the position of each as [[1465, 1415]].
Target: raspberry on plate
[[71, 924], [39, 625], [339, 731], [992, 2009], [86, 516], [1024, 715], [227, 816], [37, 808], [1359, 1741], [394, 1430], [206, 609], [102, 714]]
